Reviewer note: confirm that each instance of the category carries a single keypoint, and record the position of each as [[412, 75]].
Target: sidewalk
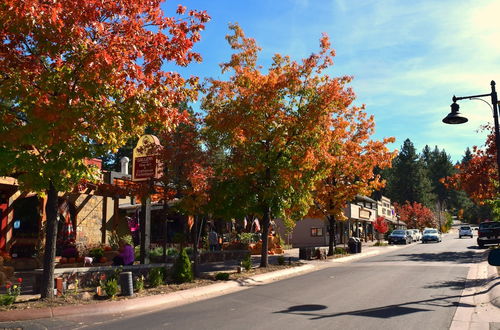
[[479, 306]]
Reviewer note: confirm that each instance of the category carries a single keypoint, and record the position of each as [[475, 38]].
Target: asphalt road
[[413, 287]]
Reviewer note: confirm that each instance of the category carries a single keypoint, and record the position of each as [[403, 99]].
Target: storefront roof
[[365, 199]]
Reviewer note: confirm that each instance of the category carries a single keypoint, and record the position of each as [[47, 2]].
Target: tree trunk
[[47, 284], [196, 256], [265, 233], [165, 230], [332, 242]]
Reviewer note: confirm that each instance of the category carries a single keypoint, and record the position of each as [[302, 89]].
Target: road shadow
[[387, 311], [453, 257], [459, 284]]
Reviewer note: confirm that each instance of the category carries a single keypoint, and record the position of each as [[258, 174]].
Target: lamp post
[[455, 117]]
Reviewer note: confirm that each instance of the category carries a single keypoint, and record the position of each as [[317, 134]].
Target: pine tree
[[408, 179]]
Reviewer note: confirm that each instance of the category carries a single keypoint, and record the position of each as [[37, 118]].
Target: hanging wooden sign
[[145, 163]]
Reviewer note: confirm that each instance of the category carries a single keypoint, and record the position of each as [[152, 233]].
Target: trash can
[[306, 253], [126, 284], [359, 245], [352, 244]]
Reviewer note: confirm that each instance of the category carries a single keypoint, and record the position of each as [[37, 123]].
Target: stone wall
[[89, 219]]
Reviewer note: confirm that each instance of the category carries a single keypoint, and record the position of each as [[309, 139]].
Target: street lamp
[[455, 117]]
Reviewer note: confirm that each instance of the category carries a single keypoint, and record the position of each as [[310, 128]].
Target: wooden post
[[145, 228]]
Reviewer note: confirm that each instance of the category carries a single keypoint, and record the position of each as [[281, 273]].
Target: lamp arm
[[455, 98]]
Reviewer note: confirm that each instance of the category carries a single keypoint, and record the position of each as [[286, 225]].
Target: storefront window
[[316, 232]]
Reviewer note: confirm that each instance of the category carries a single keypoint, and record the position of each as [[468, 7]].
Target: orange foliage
[[479, 175]]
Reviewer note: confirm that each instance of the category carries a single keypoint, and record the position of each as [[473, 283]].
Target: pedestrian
[[126, 256], [213, 240]]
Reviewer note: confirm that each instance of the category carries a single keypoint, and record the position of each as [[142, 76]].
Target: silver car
[[465, 231], [431, 235]]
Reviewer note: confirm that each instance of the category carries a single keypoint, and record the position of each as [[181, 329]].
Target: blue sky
[[407, 58]]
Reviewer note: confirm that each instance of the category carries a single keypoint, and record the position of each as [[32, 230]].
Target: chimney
[[124, 162]]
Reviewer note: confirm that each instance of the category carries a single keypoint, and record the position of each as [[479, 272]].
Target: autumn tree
[[79, 78], [353, 156], [380, 226], [478, 176], [185, 173], [274, 128], [416, 215]]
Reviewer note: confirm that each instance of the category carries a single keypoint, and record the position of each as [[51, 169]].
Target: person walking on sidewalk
[[213, 240]]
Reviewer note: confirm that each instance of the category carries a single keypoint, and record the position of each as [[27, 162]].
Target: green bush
[[222, 276], [281, 260], [156, 252], [139, 283], [172, 252], [189, 250], [248, 238], [96, 253], [155, 277], [111, 287], [339, 250], [379, 243], [182, 271], [247, 262], [6, 300]]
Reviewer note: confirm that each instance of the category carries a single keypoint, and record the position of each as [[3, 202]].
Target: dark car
[[488, 233], [431, 235], [400, 236]]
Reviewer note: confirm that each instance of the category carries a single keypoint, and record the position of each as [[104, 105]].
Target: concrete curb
[[177, 298], [494, 293]]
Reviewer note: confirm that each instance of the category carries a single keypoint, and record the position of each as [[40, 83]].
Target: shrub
[[339, 250], [380, 244], [222, 276], [156, 252], [13, 290], [172, 252], [247, 262], [111, 287], [139, 283], [248, 238], [189, 250], [96, 253], [281, 260], [182, 271], [155, 277]]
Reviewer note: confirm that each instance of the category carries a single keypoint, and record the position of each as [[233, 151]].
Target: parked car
[[413, 235], [400, 236], [488, 233], [417, 235], [431, 235], [465, 231]]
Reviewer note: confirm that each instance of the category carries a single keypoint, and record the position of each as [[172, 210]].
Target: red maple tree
[[416, 215], [381, 225], [478, 177]]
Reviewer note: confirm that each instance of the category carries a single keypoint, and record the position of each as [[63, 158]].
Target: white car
[[417, 234], [465, 231], [431, 235]]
